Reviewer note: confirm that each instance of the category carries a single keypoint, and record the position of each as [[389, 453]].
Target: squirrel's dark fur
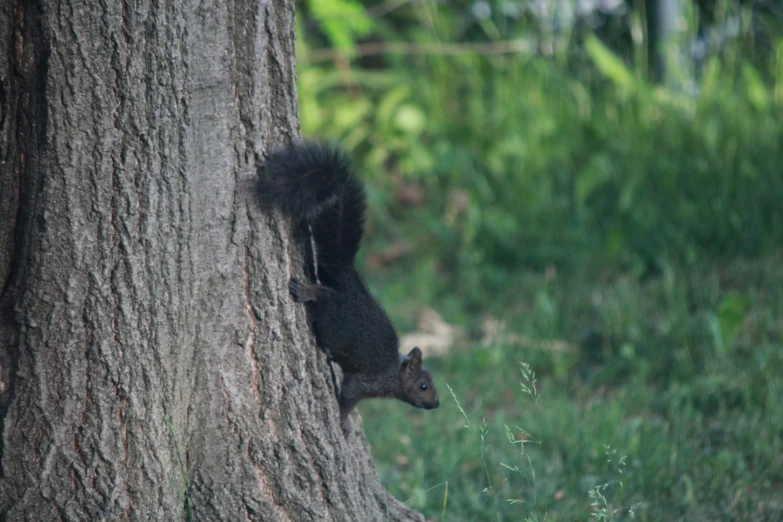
[[316, 185]]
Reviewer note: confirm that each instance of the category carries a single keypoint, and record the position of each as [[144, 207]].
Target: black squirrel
[[316, 185]]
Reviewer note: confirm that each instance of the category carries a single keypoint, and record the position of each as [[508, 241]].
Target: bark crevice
[[23, 117]]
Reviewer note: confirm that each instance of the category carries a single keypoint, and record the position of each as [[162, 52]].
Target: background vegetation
[[571, 187]]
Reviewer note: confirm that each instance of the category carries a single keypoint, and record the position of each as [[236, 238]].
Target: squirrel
[[316, 185]]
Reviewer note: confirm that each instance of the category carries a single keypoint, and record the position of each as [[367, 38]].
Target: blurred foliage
[[534, 147], [529, 162]]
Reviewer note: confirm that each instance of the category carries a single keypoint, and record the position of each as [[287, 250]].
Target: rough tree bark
[[140, 282]]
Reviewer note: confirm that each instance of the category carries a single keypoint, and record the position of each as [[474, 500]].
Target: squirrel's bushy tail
[[315, 184]]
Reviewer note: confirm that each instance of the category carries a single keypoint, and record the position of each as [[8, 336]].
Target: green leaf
[[390, 102], [410, 119], [343, 21], [757, 91], [351, 114], [711, 80], [609, 63]]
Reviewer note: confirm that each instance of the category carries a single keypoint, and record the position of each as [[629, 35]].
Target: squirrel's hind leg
[[304, 292]]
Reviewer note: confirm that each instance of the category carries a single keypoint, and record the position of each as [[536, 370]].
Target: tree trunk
[[145, 313]]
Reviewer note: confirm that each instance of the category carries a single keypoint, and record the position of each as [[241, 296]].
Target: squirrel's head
[[416, 382]]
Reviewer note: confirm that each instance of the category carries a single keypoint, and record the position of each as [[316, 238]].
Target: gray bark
[[141, 282]]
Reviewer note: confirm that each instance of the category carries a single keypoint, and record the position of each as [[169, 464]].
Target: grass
[[666, 409]]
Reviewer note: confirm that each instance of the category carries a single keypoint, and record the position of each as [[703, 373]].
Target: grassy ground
[[653, 400]]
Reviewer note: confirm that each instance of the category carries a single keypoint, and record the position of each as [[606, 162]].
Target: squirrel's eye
[[423, 386]]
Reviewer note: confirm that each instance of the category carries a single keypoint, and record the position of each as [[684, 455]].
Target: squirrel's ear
[[414, 358]]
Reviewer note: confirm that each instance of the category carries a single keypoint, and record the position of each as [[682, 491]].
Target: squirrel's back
[[315, 184]]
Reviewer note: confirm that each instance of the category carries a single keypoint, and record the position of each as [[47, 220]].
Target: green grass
[[671, 399]]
